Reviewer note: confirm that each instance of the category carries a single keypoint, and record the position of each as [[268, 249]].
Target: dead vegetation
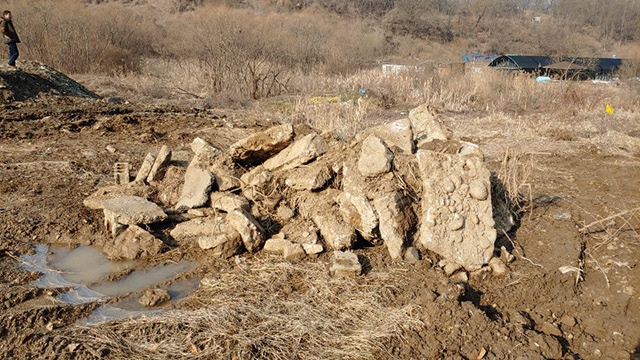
[[247, 315]]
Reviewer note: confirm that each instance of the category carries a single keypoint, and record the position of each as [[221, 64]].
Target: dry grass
[[266, 310]]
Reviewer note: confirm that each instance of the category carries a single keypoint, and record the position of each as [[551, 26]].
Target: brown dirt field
[[53, 153]]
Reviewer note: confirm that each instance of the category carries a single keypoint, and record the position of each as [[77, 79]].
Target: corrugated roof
[[533, 62]]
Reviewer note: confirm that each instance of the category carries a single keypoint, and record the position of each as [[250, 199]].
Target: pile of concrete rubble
[[408, 185]]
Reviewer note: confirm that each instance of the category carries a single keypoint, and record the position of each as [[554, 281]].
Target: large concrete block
[[130, 210], [133, 243], [456, 219], [245, 224], [397, 135]]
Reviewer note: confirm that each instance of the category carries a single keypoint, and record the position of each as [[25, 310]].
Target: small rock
[[478, 190], [498, 268], [506, 256], [459, 277], [228, 202], [568, 320], [312, 249], [344, 264], [285, 213], [294, 252], [412, 255], [111, 149], [276, 245], [449, 267], [153, 297]]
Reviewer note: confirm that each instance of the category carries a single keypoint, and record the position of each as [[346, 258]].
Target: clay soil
[[54, 153]]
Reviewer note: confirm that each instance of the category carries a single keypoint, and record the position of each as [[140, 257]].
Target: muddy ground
[[54, 152]]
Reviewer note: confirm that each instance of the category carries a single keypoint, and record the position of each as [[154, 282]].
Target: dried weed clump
[[263, 310]]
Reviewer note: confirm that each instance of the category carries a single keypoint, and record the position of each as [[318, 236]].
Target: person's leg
[[13, 54]]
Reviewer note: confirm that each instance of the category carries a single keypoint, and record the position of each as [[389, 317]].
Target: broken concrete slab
[[396, 220], [256, 183], [130, 210], [358, 212], [94, 201], [319, 208], [336, 233], [300, 152], [197, 187], [145, 168], [249, 229], [426, 125], [228, 202], [262, 145], [213, 234], [375, 158], [453, 222], [161, 161], [313, 177], [133, 243], [397, 135], [344, 264]]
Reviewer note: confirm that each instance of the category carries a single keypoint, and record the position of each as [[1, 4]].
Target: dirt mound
[[34, 80]]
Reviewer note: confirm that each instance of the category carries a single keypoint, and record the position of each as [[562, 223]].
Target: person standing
[[10, 37]]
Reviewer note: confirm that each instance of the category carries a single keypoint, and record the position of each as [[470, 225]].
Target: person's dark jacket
[[9, 34]]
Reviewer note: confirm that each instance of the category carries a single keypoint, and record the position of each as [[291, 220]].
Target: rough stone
[[312, 249], [94, 201], [228, 202], [396, 219], [213, 234], [262, 145], [426, 125], [276, 246], [256, 182], [226, 177], [358, 212], [294, 252], [161, 161], [153, 297], [145, 168], [412, 255], [375, 158], [397, 135], [284, 212], [130, 210], [204, 151], [498, 268], [197, 186], [336, 233], [460, 277], [312, 177], [344, 264], [246, 225], [453, 223], [300, 152], [133, 243]]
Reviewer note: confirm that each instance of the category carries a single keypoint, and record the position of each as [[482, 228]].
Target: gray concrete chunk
[[262, 145], [300, 152], [246, 225], [197, 187], [162, 160], [375, 158]]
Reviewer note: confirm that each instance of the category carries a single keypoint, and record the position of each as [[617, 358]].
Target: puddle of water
[[83, 267], [141, 279], [107, 313]]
